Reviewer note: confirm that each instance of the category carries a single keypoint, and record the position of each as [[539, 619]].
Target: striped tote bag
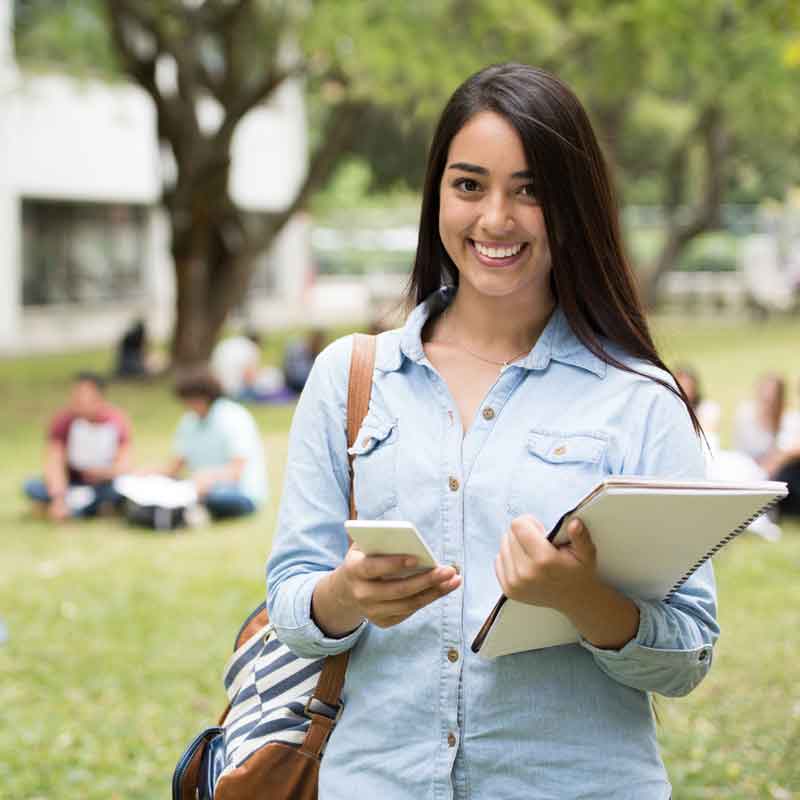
[[282, 709]]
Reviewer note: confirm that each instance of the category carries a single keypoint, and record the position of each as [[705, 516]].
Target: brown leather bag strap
[[331, 679], [359, 391]]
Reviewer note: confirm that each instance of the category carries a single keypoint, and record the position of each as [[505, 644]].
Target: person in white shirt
[[235, 362]]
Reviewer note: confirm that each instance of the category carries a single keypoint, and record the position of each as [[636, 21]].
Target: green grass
[[118, 638]]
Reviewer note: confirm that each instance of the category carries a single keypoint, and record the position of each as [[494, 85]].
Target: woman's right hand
[[369, 587]]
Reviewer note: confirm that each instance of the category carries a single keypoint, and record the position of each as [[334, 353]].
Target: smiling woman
[[490, 221], [523, 376]]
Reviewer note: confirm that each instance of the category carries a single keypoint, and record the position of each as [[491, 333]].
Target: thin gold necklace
[[460, 346], [502, 364]]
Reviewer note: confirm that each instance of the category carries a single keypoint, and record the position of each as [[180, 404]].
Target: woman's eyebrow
[[463, 166]]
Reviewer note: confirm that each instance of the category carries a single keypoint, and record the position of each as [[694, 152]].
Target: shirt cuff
[[304, 637], [667, 667]]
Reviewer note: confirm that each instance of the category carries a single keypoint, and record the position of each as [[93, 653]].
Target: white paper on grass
[[156, 490]]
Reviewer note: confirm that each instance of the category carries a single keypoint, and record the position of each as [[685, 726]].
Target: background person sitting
[[299, 358], [236, 362], [723, 464], [758, 425], [131, 352], [218, 444], [133, 358], [88, 445], [766, 431], [708, 411]]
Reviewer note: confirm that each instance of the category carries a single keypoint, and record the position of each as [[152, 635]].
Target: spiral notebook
[[651, 535]]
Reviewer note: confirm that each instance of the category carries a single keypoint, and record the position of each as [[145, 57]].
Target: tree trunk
[[191, 344], [205, 295]]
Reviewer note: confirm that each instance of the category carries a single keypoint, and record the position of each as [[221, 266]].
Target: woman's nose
[[497, 218]]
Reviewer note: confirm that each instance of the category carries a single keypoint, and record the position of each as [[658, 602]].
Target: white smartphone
[[390, 538]]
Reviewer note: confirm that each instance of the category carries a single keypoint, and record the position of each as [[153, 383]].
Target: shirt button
[[454, 484], [451, 740], [703, 655], [488, 413], [452, 655]]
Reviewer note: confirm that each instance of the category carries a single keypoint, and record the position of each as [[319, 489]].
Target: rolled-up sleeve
[[310, 540], [673, 647]]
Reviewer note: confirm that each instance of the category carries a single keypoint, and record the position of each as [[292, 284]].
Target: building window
[[81, 252]]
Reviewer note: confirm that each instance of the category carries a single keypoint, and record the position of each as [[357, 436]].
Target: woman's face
[[200, 405], [489, 219], [770, 394], [688, 384]]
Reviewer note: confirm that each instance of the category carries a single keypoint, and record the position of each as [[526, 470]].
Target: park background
[[116, 639]]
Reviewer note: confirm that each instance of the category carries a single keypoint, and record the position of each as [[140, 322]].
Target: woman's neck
[[500, 327]]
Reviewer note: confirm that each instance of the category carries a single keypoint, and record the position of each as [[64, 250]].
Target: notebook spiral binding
[[717, 547]]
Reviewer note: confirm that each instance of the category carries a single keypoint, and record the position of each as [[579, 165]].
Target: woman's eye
[[528, 190], [467, 185]]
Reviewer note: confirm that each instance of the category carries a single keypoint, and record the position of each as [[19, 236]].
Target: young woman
[[524, 376]]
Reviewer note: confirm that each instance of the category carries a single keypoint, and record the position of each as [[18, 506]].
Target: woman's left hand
[[532, 570]]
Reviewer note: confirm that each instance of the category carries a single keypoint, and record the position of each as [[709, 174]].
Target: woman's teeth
[[498, 252]]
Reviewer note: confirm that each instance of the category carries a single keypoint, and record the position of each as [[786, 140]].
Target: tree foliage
[[63, 34], [694, 100]]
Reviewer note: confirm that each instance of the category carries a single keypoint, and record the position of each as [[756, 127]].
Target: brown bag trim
[[276, 771], [331, 680]]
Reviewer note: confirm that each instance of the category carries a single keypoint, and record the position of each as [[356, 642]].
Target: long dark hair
[[591, 278]]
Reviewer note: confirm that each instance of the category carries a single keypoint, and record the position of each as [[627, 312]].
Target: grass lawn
[[117, 638]]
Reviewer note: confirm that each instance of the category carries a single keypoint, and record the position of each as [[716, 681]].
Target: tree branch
[[340, 132], [179, 112], [248, 99], [705, 214]]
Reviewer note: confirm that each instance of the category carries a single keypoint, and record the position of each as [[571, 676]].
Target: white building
[[84, 247]]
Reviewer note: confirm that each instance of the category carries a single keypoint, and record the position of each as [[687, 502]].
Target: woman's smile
[[498, 254]]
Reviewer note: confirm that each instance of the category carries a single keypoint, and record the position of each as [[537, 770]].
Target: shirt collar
[[557, 342]]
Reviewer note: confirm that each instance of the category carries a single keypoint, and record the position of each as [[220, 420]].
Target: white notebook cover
[[650, 536]]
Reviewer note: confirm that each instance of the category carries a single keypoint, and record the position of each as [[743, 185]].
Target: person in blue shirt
[[218, 444], [524, 375]]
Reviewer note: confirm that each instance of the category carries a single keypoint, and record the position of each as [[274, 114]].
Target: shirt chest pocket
[[555, 471], [375, 467]]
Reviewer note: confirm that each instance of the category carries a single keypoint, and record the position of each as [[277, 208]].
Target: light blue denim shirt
[[424, 717]]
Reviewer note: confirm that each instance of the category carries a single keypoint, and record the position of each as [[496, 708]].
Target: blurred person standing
[[88, 445]]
